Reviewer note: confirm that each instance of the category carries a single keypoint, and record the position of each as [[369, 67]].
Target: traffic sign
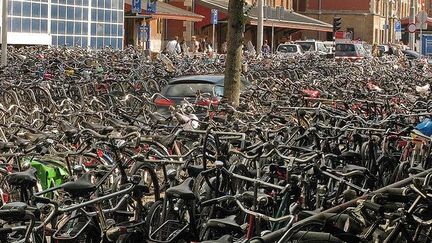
[[214, 16], [136, 6], [422, 17], [151, 6], [398, 26], [412, 28]]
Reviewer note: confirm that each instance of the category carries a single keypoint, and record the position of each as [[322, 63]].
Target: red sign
[[340, 35]]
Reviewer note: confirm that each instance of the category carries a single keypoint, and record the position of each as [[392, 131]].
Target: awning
[[288, 19], [164, 11]]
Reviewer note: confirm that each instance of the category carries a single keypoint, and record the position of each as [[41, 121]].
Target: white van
[[313, 46]]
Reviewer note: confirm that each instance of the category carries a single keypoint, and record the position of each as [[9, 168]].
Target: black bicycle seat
[[348, 168], [194, 170], [80, 187], [350, 156], [166, 141], [223, 239], [20, 142], [6, 145], [182, 191], [68, 129], [104, 130], [24, 178], [224, 223]]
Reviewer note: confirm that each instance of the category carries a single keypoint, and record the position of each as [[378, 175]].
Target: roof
[[213, 79], [290, 19], [164, 11]]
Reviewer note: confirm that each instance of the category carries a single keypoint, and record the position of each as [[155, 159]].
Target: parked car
[[187, 87], [313, 46], [350, 50], [330, 45], [383, 49], [290, 49]]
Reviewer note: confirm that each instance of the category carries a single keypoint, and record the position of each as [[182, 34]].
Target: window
[[36, 9], [77, 41], [35, 26], [107, 15], [99, 29], [16, 8], [70, 27], [44, 26], [78, 28], [44, 10], [84, 42], [26, 10], [54, 27], [100, 15], [61, 40], [107, 30], [69, 41], [26, 25], [61, 27], [78, 13], [99, 42], [84, 28], [62, 12], [16, 24], [54, 40], [54, 11], [70, 13]]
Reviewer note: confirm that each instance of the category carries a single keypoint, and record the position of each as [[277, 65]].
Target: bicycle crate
[[168, 231]]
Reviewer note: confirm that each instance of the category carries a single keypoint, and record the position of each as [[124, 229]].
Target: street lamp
[[4, 32]]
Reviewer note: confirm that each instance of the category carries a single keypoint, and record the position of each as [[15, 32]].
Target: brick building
[[365, 18]]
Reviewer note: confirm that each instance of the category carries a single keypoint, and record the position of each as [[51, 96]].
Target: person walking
[[194, 47], [173, 47], [265, 48]]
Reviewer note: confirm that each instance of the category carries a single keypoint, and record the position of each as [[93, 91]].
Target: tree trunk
[[233, 65]]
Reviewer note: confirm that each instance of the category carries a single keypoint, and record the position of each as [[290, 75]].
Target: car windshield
[[287, 48], [345, 47], [190, 89], [307, 46]]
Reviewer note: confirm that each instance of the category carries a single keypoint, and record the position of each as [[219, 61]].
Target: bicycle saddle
[[20, 142], [166, 141], [349, 168], [182, 191], [68, 129], [262, 199], [223, 239], [24, 178], [104, 130], [80, 187], [350, 156], [6, 145], [194, 170], [224, 223]]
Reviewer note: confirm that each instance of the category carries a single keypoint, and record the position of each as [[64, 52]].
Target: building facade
[[368, 20], [85, 23]]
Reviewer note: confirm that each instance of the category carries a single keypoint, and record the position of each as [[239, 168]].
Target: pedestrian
[[224, 48], [173, 47], [203, 45], [265, 48], [250, 48], [390, 51], [375, 51], [194, 46]]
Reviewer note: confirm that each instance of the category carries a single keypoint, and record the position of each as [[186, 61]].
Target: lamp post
[[4, 32]]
